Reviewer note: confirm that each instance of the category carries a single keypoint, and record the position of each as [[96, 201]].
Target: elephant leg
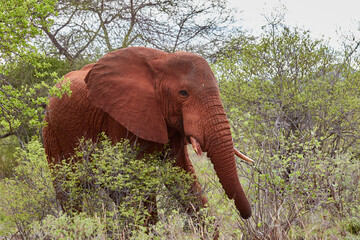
[[191, 207], [150, 205], [183, 161]]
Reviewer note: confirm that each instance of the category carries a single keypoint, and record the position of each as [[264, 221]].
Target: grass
[[279, 210]]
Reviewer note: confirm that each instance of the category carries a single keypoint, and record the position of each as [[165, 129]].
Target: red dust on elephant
[[153, 98]]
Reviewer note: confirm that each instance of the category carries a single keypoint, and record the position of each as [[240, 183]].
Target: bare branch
[[87, 27], [61, 50], [6, 135]]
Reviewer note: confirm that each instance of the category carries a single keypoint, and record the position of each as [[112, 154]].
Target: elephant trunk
[[220, 150]]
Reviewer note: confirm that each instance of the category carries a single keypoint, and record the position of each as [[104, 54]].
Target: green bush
[[107, 188], [103, 174], [287, 85], [29, 196], [293, 104], [353, 226], [7, 149], [79, 226]]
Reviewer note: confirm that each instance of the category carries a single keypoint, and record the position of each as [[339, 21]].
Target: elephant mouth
[[197, 148]]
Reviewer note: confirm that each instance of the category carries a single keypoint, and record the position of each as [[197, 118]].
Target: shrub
[[353, 226], [293, 106], [108, 188], [29, 196], [119, 181]]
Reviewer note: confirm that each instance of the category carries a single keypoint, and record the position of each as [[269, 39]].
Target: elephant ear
[[122, 84]]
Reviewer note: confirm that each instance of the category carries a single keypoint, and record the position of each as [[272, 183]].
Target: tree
[[293, 103], [21, 106], [87, 28], [294, 88]]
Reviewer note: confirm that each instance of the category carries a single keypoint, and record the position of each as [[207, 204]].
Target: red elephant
[[153, 98]]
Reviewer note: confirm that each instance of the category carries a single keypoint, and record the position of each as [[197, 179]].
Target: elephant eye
[[183, 93]]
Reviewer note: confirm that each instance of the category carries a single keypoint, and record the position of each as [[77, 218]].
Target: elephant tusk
[[196, 146], [242, 156]]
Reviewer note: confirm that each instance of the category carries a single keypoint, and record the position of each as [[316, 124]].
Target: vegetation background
[[292, 100]]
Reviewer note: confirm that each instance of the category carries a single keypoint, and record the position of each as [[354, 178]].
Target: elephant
[[154, 98]]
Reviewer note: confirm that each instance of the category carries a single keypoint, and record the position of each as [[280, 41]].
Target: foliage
[[353, 226], [29, 196], [293, 104], [79, 226], [27, 74], [290, 193], [22, 106], [280, 206], [26, 94], [291, 85], [7, 149], [117, 173], [18, 20], [109, 184]]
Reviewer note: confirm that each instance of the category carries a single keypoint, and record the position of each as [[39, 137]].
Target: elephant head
[[155, 94]]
